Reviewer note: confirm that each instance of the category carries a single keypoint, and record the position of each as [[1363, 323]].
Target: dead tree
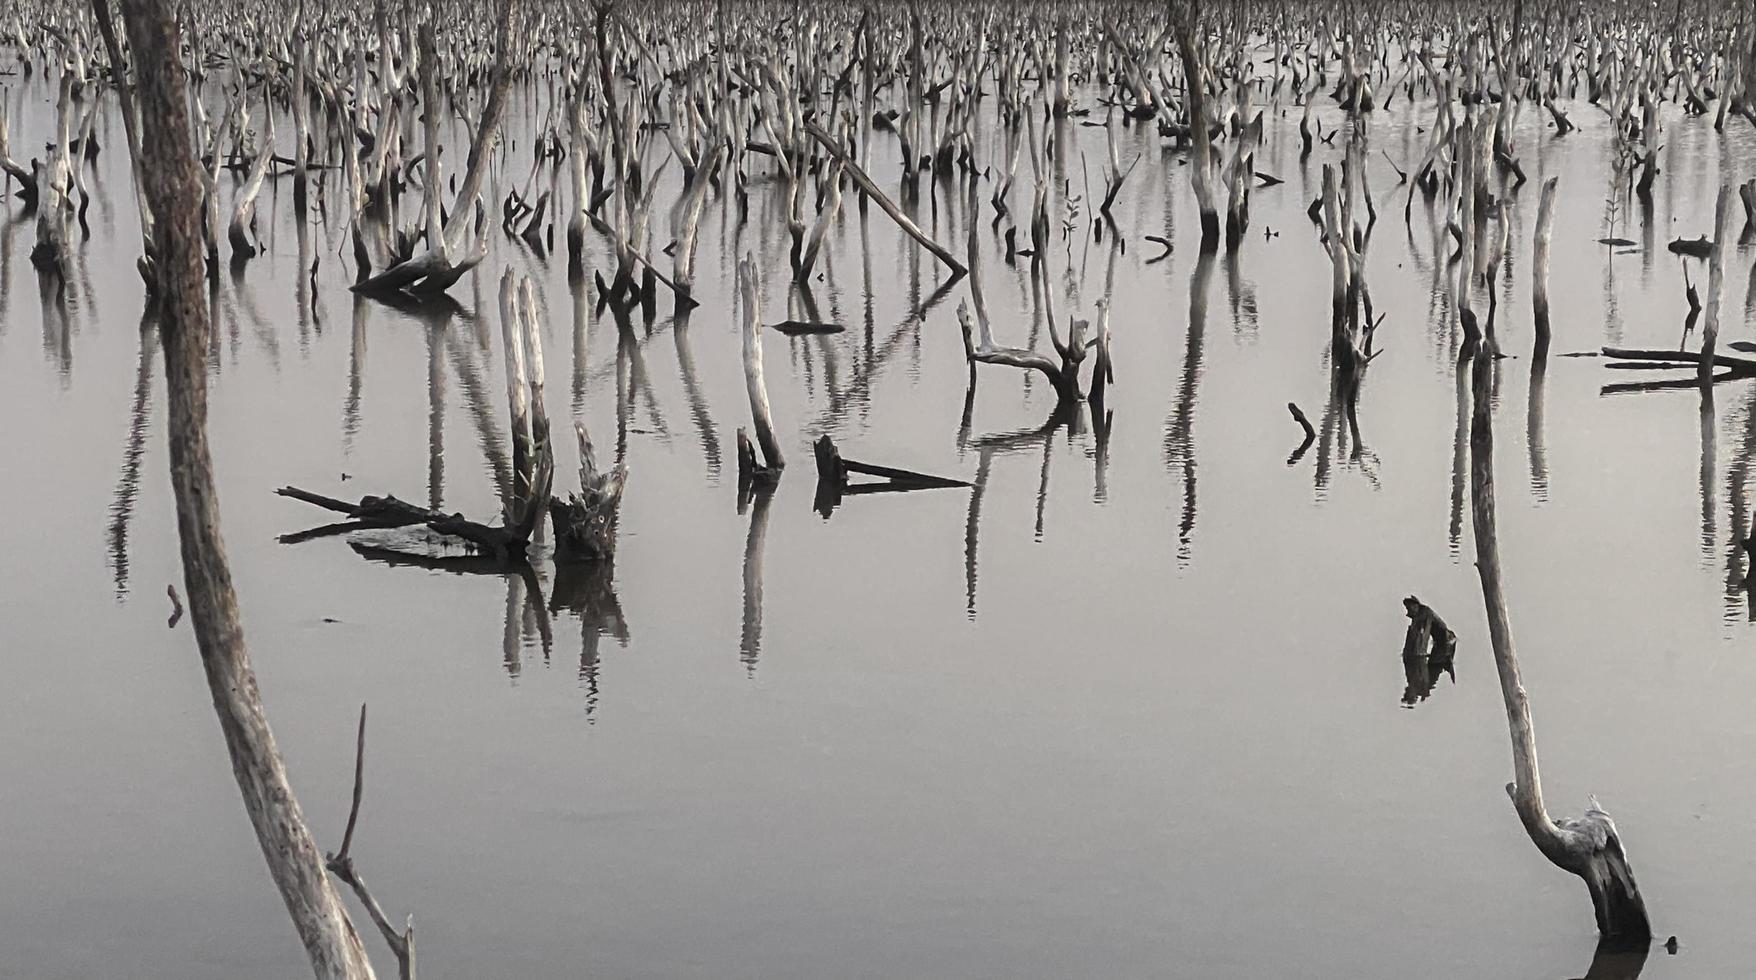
[[749, 468], [1715, 285], [1063, 375], [1539, 266], [1187, 17], [451, 250], [174, 193], [1589, 846]]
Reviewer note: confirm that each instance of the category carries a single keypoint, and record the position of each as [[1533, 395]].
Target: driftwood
[[528, 497], [834, 470], [1589, 846]]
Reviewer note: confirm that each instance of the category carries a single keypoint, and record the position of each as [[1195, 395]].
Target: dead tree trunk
[[1539, 271], [1588, 847], [1188, 17], [1715, 285], [174, 192], [772, 461]]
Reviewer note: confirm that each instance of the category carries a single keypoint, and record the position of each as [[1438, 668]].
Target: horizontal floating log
[[795, 327], [1682, 358]]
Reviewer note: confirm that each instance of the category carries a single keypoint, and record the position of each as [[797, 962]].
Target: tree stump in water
[[1428, 651], [585, 523]]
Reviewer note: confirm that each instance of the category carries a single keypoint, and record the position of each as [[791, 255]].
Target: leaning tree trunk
[[1588, 847], [174, 192]]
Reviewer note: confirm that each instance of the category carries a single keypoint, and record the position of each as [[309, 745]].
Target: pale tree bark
[[1589, 847], [174, 193]]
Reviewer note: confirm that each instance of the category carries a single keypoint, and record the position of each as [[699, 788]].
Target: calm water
[[1129, 710]]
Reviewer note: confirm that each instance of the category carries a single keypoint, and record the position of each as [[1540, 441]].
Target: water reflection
[[133, 451], [1180, 426], [705, 429], [1740, 562], [527, 619], [350, 407], [756, 501], [435, 417], [1533, 428], [588, 590], [1459, 460], [466, 364], [1617, 961], [57, 325], [1709, 493]]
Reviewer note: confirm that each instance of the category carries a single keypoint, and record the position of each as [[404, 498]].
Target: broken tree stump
[[1429, 651], [585, 523]]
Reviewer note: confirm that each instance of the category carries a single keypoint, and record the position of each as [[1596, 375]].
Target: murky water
[[1128, 708]]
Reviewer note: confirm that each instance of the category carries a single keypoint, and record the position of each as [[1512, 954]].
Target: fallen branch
[[341, 864], [884, 202]]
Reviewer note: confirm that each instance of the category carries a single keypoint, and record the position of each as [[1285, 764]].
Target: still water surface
[[1129, 709]]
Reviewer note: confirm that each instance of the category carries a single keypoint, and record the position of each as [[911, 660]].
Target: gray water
[[1129, 710]]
